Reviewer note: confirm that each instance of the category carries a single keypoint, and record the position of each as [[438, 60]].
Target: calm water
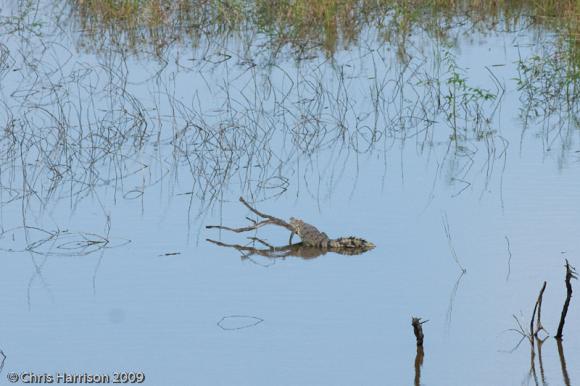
[[113, 164]]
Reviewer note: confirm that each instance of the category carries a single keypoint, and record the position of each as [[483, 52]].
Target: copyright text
[[29, 377]]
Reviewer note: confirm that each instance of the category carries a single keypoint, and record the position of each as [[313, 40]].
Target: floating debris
[[170, 254]]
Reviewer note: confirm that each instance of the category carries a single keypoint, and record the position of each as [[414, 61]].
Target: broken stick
[[538, 308], [418, 329], [570, 274]]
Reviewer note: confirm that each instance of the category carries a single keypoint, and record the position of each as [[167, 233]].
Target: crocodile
[[312, 237]]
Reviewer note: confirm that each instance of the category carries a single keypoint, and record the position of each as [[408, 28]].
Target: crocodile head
[[296, 224], [295, 221]]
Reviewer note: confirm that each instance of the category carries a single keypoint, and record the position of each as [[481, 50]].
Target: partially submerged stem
[[570, 274], [418, 330], [538, 308]]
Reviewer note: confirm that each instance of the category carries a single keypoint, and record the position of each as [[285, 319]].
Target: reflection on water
[[509, 260], [295, 250], [2, 359], [218, 142], [55, 243], [122, 137], [238, 322], [93, 128], [449, 314], [565, 375], [418, 363], [539, 344], [542, 379]]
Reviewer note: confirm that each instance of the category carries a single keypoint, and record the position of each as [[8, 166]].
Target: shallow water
[[113, 164]]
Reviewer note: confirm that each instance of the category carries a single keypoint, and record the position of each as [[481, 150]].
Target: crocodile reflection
[[291, 250]]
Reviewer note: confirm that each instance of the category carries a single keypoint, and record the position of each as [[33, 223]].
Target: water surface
[[113, 163]]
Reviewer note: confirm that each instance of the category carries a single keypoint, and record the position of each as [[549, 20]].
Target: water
[[113, 164]]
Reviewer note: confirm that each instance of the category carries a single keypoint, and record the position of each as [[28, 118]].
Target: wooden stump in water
[[418, 330], [570, 274]]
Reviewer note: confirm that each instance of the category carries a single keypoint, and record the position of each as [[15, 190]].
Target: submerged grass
[[307, 29], [89, 127]]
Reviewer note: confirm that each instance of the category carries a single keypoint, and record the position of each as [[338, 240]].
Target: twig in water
[[570, 274], [2, 359], [538, 308], [520, 330], [507, 240], [170, 254], [418, 329]]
